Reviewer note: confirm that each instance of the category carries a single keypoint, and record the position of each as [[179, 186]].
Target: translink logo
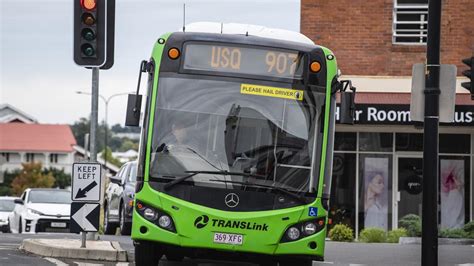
[[203, 220]]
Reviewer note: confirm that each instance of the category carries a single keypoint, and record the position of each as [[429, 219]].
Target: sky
[[37, 71]]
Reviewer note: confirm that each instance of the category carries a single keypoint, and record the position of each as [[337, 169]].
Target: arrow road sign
[[86, 180], [81, 193], [84, 217]]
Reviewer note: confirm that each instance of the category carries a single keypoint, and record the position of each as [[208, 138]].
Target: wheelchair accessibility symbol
[[313, 211]]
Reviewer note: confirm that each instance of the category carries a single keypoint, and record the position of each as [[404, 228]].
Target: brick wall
[[360, 34]]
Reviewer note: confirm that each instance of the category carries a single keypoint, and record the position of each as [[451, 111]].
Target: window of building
[[30, 157], [410, 22], [379, 142], [6, 156], [53, 158], [455, 143], [343, 197], [345, 141], [409, 142]]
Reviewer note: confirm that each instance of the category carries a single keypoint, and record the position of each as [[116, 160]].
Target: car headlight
[[34, 212]]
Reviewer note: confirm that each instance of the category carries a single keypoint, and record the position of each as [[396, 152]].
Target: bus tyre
[[174, 257], [299, 262], [147, 253]]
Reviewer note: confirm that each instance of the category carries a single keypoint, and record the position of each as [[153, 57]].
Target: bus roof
[[253, 30]]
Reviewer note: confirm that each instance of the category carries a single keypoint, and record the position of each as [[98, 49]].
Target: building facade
[[377, 172]]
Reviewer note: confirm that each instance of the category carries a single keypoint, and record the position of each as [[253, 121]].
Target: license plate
[[62, 225], [233, 239]]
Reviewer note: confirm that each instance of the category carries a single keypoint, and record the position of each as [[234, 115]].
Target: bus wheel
[[299, 262], [174, 257], [147, 253]]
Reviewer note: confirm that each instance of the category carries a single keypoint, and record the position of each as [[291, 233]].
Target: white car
[[41, 210], [6, 207]]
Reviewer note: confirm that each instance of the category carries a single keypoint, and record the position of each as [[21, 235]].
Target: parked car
[[41, 210], [118, 202], [7, 205]]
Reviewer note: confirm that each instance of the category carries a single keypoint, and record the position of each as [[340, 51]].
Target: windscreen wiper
[[279, 189], [193, 173]]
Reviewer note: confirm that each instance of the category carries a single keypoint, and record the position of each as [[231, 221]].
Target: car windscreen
[[50, 196], [6, 205]]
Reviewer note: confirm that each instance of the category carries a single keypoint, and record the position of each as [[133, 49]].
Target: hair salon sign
[[396, 114]]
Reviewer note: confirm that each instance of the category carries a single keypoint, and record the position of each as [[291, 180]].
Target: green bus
[[236, 149]]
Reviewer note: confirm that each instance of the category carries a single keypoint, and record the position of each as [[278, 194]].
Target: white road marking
[[466, 264], [322, 262], [87, 264], [122, 264], [8, 246], [56, 262]]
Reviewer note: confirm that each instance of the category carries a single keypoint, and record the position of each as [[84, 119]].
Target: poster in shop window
[[452, 193], [376, 192]]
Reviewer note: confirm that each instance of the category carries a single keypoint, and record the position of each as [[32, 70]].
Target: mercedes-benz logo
[[231, 200]]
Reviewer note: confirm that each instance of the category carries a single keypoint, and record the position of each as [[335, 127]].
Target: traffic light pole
[[93, 133], [429, 243]]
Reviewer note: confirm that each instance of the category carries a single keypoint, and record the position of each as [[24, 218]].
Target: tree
[[5, 187], [82, 127], [31, 176], [110, 159], [62, 180]]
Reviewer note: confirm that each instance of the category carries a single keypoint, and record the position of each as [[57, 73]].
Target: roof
[[36, 137], [9, 114], [247, 29], [400, 98]]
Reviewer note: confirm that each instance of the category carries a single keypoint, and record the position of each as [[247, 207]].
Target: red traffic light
[[88, 4]]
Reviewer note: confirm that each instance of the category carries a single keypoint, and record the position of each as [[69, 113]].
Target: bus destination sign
[[243, 60]]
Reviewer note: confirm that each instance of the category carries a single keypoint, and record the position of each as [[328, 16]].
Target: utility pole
[[429, 243]]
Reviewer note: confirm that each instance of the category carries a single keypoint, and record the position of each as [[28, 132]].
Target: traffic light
[[91, 42], [470, 75]]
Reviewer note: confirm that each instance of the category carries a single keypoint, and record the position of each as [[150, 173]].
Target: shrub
[[412, 223], [394, 235], [341, 232], [453, 233], [469, 228], [372, 235]]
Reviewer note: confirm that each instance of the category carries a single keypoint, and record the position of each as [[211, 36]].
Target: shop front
[[377, 167]]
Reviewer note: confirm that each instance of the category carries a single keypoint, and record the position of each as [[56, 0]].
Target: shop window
[[410, 22], [408, 142], [381, 142], [342, 202], [345, 141], [454, 191], [375, 191], [455, 143]]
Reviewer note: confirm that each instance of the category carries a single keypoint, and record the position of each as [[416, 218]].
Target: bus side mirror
[[134, 105], [347, 107]]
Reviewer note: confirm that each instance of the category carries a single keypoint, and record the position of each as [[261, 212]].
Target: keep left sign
[[86, 180]]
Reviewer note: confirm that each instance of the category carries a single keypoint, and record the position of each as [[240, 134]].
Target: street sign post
[[84, 217], [86, 180]]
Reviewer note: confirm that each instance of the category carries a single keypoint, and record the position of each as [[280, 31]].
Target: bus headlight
[[309, 228], [164, 221], [155, 216], [293, 233], [303, 229], [150, 214]]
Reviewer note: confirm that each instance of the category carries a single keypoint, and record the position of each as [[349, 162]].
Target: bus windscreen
[[243, 60]]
